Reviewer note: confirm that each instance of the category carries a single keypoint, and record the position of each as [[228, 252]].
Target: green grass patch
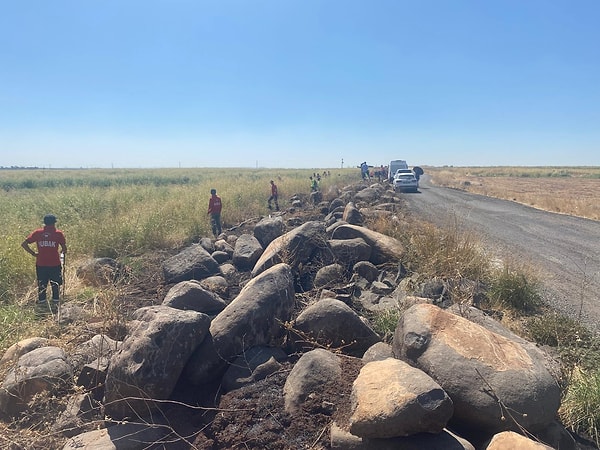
[[515, 290], [581, 403]]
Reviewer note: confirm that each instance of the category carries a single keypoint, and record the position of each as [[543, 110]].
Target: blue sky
[[299, 83]]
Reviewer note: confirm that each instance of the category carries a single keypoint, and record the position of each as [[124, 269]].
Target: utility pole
[[342, 163]]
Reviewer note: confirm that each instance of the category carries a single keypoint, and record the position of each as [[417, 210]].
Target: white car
[[406, 182]]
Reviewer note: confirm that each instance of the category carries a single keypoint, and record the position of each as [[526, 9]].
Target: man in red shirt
[[273, 196], [47, 258], [214, 209]]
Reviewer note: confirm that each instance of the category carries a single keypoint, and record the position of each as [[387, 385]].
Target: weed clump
[[514, 290]]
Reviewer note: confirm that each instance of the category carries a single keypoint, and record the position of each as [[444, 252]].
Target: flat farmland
[[573, 191]]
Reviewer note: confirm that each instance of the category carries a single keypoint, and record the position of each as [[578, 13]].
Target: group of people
[[51, 245], [367, 172]]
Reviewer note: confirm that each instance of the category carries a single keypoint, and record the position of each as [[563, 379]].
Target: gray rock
[[207, 244], [294, 248], [332, 323], [390, 398], [190, 295], [252, 319], [216, 284], [367, 195], [268, 229], [478, 368], [383, 248], [377, 352], [310, 374], [192, 263], [220, 256], [352, 215], [44, 369], [151, 359], [247, 251], [18, 349], [366, 269], [350, 251], [329, 275], [336, 203]]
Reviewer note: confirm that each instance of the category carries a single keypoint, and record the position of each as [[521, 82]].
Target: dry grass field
[[574, 191]]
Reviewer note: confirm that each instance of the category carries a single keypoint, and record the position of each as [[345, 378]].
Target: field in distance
[[566, 190]]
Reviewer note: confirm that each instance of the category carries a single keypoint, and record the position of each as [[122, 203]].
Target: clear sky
[[299, 83]]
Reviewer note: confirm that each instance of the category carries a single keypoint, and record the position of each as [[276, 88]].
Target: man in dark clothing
[[214, 210], [273, 196], [48, 267]]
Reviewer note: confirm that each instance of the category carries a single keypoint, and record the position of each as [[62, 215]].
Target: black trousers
[[45, 275]]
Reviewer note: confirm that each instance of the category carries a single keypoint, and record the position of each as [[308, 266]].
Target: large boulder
[[390, 399], [268, 229], [42, 370], [293, 248], [253, 318], [352, 215], [246, 252], [309, 378], [191, 295], [350, 251], [332, 323], [192, 263], [330, 275], [367, 195], [151, 359], [383, 248], [495, 384]]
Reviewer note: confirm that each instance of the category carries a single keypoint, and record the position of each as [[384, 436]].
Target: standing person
[[214, 209], [48, 268], [314, 185], [273, 197]]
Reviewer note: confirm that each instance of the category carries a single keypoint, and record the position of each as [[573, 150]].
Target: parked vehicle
[[406, 182], [394, 166]]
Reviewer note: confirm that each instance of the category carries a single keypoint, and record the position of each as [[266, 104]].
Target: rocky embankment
[[290, 358]]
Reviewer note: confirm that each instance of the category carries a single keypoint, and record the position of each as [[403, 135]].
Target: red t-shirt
[[274, 190], [47, 240], [214, 205]]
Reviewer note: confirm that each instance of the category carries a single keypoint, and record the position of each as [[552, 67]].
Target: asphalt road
[[563, 250]]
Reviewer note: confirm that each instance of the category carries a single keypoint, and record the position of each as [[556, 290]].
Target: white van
[[394, 166]]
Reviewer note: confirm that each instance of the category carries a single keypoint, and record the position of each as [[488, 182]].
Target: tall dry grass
[[573, 190], [126, 213]]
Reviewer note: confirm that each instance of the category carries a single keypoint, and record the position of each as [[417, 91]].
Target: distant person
[[48, 267], [364, 171], [214, 210], [314, 185], [273, 197]]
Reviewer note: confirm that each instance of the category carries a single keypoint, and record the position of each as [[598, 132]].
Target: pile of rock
[[449, 378]]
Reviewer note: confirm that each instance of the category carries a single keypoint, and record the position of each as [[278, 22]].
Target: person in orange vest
[[273, 197], [48, 266], [214, 210]]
